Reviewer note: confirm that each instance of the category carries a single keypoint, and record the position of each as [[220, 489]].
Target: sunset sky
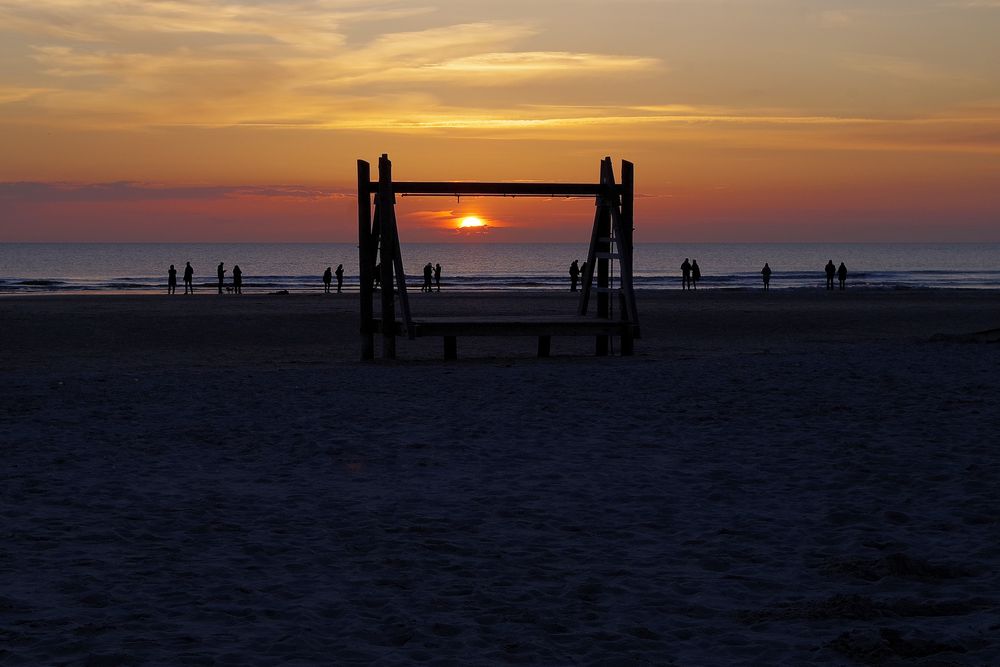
[[752, 120]]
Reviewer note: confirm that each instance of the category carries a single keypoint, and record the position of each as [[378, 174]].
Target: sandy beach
[[791, 478]]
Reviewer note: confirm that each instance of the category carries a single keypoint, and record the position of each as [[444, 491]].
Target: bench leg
[[627, 344], [450, 347], [544, 346], [602, 346]]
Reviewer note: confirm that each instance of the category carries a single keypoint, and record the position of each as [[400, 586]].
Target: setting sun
[[470, 222]]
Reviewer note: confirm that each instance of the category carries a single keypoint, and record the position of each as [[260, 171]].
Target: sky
[[747, 120]]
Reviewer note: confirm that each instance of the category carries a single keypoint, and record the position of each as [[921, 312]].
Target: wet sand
[[791, 478]]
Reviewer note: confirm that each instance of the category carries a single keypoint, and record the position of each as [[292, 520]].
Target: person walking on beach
[[583, 274], [377, 276], [237, 279], [327, 277], [188, 278], [842, 275], [222, 275], [695, 274], [340, 277], [574, 275], [437, 277], [172, 280], [428, 274], [831, 271], [685, 274], [766, 273]]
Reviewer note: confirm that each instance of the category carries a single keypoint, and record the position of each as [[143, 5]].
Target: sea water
[[269, 267]]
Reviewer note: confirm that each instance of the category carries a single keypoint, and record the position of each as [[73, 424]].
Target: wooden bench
[[451, 328]]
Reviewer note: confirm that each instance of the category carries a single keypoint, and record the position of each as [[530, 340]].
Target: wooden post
[[404, 299], [627, 338], [603, 248], [544, 346], [627, 245], [386, 202], [588, 274], [364, 261], [450, 348]]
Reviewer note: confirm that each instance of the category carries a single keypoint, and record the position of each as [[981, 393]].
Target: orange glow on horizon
[[239, 121]]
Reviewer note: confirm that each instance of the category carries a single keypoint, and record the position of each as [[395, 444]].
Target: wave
[[886, 280], [40, 283]]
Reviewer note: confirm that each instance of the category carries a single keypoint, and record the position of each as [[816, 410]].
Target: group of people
[[690, 274], [576, 271], [237, 286], [431, 273], [328, 278], [840, 273]]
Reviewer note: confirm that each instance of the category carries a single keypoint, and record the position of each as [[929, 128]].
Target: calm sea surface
[[33, 268]]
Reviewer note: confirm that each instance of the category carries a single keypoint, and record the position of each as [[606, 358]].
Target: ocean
[[141, 268]]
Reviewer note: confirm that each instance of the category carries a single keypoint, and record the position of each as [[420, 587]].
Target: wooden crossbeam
[[493, 189]]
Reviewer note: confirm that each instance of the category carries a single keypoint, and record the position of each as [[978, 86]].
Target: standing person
[[437, 276], [222, 277], [831, 270], [685, 274], [237, 279], [188, 278], [340, 277], [327, 277], [574, 275], [377, 276], [172, 280], [842, 275], [583, 274], [428, 274], [766, 273], [695, 274]]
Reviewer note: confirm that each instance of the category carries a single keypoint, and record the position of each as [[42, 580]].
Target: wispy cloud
[[903, 68], [129, 191], [10, 94], [212, 63], [971, 4]]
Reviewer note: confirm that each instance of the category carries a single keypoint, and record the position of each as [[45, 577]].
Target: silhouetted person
[[222, 277], [685, 274], [842, 275], [695, 274], [188, 278], [831, 271], [237, 279], [327, 278], [340, 277], [437, 276], [377, 279], [172, 280], [583, 273], [766, 273], [574, 275], [428, 274]]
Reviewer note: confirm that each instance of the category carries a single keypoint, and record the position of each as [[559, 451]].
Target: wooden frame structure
[[611, 241]]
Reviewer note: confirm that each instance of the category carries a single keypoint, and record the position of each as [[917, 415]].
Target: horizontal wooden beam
[[496, 189]]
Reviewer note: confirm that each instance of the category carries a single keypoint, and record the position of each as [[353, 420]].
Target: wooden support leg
[[367, 346], [602, 346], [627, 344], [544, 346], [450, 348]]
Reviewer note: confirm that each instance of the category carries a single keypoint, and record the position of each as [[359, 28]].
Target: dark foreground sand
[[796, 478]]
